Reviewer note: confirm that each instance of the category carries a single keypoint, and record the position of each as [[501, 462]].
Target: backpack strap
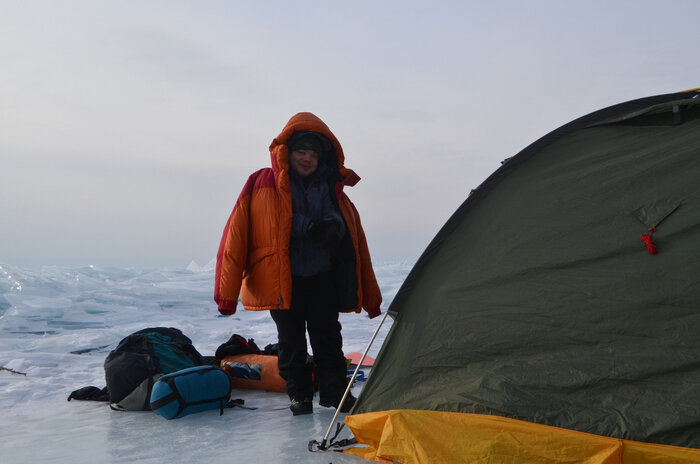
[[238, 402], [90, 394]]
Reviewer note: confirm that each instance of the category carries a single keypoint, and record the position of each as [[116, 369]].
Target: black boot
[[301, 406], [345, 407]]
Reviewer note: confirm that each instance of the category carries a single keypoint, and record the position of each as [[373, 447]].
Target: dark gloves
[[326, 233], [235, 345]]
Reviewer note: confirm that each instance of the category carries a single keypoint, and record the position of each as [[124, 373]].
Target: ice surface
[[57, 325]]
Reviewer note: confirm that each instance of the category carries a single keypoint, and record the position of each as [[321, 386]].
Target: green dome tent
[[556, 315]]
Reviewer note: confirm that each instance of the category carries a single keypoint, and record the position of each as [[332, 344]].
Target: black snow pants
[[313, 308]]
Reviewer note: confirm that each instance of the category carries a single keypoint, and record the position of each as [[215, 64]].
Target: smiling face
[[303, 162]]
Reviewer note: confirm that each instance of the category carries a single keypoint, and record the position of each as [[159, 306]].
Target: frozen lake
[[58, 324]]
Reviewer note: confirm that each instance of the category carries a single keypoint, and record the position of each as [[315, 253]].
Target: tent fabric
[[416, 437], [538, 300]]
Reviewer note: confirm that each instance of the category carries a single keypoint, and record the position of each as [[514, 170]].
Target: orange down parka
[[253, 256]]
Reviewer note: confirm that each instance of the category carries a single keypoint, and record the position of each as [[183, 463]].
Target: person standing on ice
[[294, 245]]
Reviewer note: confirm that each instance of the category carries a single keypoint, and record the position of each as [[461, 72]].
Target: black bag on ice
[[140, 359]]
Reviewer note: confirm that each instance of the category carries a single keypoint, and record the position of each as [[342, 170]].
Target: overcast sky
[[127, 128]]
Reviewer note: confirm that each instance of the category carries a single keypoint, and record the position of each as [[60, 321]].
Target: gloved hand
[[324, 232]]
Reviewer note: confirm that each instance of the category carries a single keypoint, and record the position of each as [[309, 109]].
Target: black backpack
[[141, 359]]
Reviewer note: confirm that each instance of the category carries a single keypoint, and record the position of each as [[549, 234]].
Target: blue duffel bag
[[191, 390]]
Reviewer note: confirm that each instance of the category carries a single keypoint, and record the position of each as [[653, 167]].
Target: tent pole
[[322, 445]]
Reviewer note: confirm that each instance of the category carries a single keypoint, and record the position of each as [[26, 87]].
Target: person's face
[[304, 162]]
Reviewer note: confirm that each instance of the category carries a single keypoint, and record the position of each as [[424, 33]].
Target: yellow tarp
[[420, 437]]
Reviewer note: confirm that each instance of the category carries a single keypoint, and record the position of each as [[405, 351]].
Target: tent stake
[[322, 445]]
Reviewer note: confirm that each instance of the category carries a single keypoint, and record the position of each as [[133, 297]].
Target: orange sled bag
[[256, 371]]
